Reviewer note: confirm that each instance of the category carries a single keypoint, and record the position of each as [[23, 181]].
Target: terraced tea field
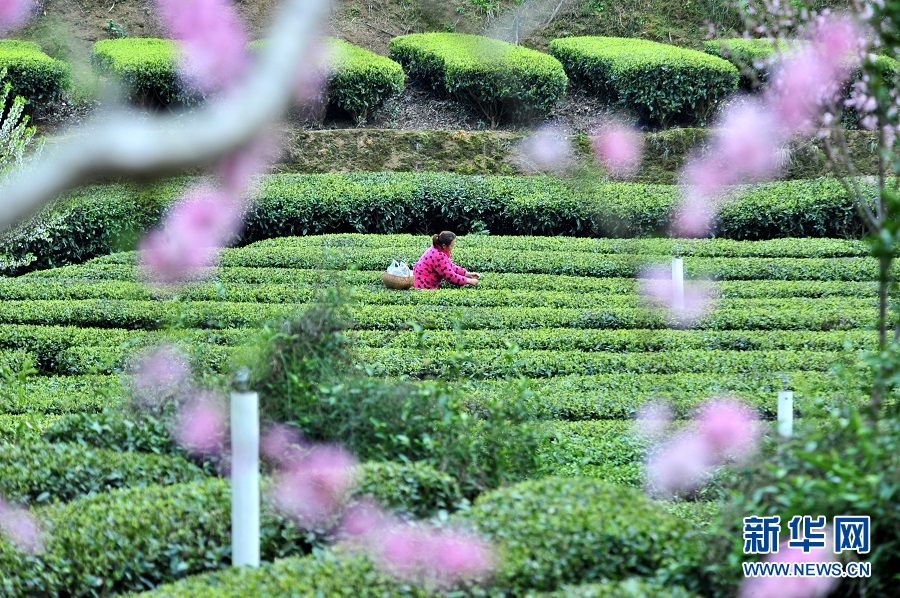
[[784, 312]]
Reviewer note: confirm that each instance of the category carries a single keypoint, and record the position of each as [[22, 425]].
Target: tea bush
[[147, 69], [663, 84], [499, 79], [33, 75], [357, 81]]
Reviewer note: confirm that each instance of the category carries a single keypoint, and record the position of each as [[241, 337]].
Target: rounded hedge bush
[[147, 69], [357, 81], [135, 539], [557, 531], [497, 78], [32, 74], [661, 83]]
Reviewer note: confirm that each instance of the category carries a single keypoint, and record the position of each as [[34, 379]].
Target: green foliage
[[633, 587], [497, 78], [113, 429], [753, 57], [357, 81], [850, 466], [135, 539], [85, 223], [60, 394], [146, 68], [663, 84], [332, 572], [32, 74], [417, 489], [36, 472], [304, 376], [99, 219], [549, 531]]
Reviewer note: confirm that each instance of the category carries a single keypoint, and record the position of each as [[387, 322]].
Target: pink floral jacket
[[435, 266]]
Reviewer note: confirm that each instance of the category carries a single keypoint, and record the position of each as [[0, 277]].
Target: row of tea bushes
[[756, 57], [102, 218], [135, 538], [498, 79], [548, 532]]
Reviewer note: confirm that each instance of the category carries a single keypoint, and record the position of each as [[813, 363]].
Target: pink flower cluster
[[202, 425], [213, 40], [618, 148], [14, 13], [724, 431], [20, 527], [416, 553], [655, 285], [751, 133], [190, 237], [313, 483], [312, 487], [158, 373]]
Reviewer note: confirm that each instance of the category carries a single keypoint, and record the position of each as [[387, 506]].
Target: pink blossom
[[281, 442], [190, 237], [694, 217], [312, 76], [443, 557], [747, 142], [728, 427], [682, 464], [13, 13], [802, 84], [213, 39], [548, 149], [20, 526], [838, 38], [364, 519], [159, 373], [236, 171], [202, 425], [792, 587], [656, 286], [313, 486], [707, 178], [653, 418], [619, 148]]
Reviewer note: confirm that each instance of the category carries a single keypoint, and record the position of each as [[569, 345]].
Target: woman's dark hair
[[445, 238]]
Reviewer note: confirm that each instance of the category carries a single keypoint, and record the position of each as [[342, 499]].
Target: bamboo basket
[[392, 281]]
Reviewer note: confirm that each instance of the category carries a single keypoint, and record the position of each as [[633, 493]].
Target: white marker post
[[244, 473], [785, 413], [677, 284]]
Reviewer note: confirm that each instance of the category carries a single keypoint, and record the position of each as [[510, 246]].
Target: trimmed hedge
[[634, 587], [497, 78], [32, 74], [357, 81], [606, 450], [100, 219], [754, 57], [37, 472], [332, 573], [289, 279], [663, 84], [135, 539], [620, 396], [62, 394], [86, 222], [147, 69], [220, 315], [595, 531]]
